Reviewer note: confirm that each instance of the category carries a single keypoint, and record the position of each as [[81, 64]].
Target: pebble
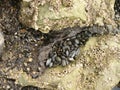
[[8, 87], [39, 69], [34, 74], [30, 59], [25, 64], [28, 69]]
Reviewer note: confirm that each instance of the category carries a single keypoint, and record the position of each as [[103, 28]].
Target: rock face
[[96, 68], [48, 15]]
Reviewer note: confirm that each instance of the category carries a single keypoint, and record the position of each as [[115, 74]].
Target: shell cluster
[[65, 51]]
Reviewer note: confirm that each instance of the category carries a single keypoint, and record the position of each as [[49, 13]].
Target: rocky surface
[[97, 68], [26, 57], [57, 14]]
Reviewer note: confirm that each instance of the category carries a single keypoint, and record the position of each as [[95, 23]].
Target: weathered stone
[[48, 15]]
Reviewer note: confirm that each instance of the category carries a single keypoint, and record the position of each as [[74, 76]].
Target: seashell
[[51, 64], [66, 47], [68, 39], [73, 37], [48, 62], [53, 57], [89, 34], [69, 43], [64, 43], [77, 41], [78, 51], [72, 54], [64, 62], [76, 45], [63, 57], [78, 36], [51, 54], [71, 59], [58, 59], [67, 52]]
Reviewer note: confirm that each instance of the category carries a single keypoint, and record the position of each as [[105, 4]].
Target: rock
[[97, 68], [48, 15]]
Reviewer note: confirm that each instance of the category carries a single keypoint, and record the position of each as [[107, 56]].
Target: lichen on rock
[[48, 15]]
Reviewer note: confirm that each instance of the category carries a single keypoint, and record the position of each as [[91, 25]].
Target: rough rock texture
[[56, 14], [97, 68]]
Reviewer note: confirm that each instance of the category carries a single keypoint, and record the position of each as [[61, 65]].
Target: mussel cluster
[[65, 51]]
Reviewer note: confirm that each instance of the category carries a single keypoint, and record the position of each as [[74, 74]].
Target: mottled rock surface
[[56, 14], [97, 68]]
